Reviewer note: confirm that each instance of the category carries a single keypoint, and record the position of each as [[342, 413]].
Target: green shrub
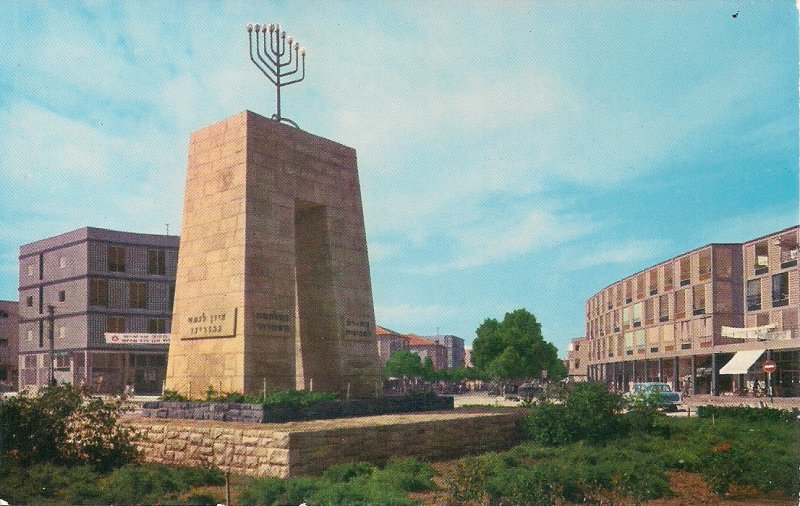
[[261, 492], [297, 398], [408, 475], [467, 484], [201, 499], [747, 414], [592, 413], [346, 472], [532, 485], [545, 424], [172, 396], [359, 491], [66, 425]]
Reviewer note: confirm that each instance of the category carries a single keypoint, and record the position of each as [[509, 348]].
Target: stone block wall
[[309, 448]]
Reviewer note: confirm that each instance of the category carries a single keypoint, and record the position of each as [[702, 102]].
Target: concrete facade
[[389, 343], [664, 323], [455, 349], [273, 285], [9, 345], [97, 281], [577, 362]]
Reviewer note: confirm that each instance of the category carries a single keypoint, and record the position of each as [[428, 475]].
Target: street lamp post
[[273, 56]]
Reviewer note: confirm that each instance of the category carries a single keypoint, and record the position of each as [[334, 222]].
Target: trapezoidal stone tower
[[273, 285]]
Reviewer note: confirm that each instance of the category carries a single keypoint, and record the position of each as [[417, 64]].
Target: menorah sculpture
[[270, 59]]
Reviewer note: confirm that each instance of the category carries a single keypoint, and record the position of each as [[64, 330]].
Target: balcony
[[698, 311], [685, 282], [628, 300], [616, 329], [790, 263], [629, 352], [663, 319], [654, 350], [637, 324], [654, 292], [686, 346], [761, 269]]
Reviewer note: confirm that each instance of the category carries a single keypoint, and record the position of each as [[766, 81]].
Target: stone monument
[[273, 285]]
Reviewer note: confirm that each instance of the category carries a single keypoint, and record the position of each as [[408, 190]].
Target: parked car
[[668, 399]]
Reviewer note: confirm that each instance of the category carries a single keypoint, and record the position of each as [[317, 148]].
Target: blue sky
[[512, 154]]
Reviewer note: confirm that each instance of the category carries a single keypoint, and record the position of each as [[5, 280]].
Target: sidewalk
[[728, 400]]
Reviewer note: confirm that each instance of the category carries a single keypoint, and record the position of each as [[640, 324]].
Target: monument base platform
[[309, 448]]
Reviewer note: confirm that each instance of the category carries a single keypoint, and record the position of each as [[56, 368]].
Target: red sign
[[769, 366]]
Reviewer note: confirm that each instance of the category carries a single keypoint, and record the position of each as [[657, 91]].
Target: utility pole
[[51, 318]]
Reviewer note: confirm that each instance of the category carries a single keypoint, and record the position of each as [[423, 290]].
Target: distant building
[[468, 357], [389, 343], [427, 348], [577, 360], [97, 281], [455, 349], [9, 345]]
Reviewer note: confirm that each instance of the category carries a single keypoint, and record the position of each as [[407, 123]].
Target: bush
[[201, 499], [534, 485], [545, 424], [298, 398], [66, 425], [262, 492], [172, 396], [467, 485], [346, 472], [747, 414], [408, 475]]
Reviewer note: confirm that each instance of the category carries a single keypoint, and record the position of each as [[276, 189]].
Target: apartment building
[[87, 292], [674, 321], [577, 360], [454, 347], [9, 345], [389, 343]]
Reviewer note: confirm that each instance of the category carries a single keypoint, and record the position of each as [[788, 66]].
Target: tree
[[403, 363], [428, 372], [515, 348]]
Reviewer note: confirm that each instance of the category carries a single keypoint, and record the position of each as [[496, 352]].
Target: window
[[639, 334], [3, 342], [30, 269], [3, 314], [626, 317], [116, 259], [159, 326], [653, 277], [628, 340], [171, 300], [62, 296], [62, 332], [98, 292], [628, 291], [637, 315], [640, 286], [115, 324], [685, 264], [705, 265], [30, 336], [663, 308], [667, 277], [62, 361], [753, 294], [649, 311], [789, 250], [680, 304], [762, 258], [30, 361], [155, 262], [698, 299], [138, 292], [780, 289], [62, 262], [29, 301]]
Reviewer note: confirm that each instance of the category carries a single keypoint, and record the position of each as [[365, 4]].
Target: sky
[[511, 154]]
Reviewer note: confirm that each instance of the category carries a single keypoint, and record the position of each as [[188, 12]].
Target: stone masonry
[[273, 285], [309, 448]]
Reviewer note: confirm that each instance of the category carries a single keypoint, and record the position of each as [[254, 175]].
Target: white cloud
[[630, 252]]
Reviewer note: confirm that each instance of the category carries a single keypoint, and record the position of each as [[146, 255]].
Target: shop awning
[[741, 362]]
